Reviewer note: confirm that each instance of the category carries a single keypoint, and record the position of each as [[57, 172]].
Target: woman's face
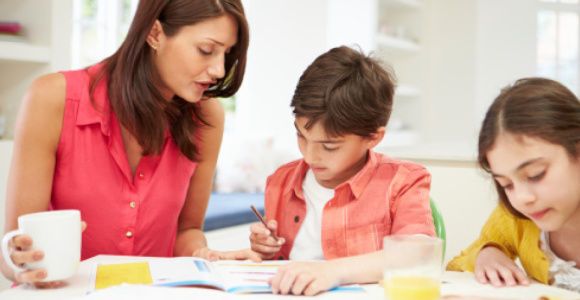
[[539, 178], [191, 61]]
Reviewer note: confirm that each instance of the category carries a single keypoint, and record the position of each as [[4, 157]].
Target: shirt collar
[[356, 184], [97, 110], [361, 179]]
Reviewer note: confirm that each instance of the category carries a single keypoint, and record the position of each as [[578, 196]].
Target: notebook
[[228, 276]]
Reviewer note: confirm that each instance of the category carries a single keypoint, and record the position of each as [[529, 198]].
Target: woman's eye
[[204, 51]]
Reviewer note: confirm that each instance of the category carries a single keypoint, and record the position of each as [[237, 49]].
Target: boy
[[341, 199]]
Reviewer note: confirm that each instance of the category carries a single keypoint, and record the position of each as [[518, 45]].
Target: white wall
[[286, 36], [475, 47], [451, 67], [506, 47]]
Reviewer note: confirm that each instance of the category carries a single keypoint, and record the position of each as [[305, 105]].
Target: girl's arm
[[491, 256], [36, 140]]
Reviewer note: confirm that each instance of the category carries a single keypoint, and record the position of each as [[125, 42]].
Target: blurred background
[[451, 58]]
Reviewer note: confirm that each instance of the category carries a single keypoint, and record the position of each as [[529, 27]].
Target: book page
[[176, 271], [247, 276]]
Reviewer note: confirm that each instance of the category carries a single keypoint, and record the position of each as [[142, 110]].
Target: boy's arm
[[311, 278], [409, 207]]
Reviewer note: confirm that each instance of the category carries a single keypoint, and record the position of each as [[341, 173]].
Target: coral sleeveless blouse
[[126, 213]]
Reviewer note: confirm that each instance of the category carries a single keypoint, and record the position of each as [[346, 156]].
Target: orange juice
[[412, 288]]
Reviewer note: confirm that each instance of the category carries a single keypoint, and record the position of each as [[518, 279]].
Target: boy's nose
[[310, 155]]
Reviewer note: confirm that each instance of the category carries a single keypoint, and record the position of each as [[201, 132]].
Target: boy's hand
[[213, 255], [262, 241], [305, 278], [494, 267]]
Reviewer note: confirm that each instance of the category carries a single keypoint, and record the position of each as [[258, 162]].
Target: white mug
[[58, 234]]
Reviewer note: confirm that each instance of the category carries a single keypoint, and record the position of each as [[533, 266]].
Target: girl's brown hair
[[533, 107], [347, 91], [131, 74]]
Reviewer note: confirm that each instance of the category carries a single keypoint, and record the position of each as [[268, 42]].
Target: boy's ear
[[377, 137], [155, 35]]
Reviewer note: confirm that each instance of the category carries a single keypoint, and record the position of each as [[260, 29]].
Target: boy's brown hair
[[347, 91], [533, 107]]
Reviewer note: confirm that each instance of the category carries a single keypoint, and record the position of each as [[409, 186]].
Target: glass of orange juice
[[413, 265]]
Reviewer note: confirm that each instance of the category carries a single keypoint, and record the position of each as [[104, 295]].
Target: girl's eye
[[507, 187], [537, 177]]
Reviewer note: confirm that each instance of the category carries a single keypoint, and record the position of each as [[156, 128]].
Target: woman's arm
[[190, 237], [36, 139]]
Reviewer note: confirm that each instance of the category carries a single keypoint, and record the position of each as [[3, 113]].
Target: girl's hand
[[305, 278], [494, 267], [213, 255], [22, 254], [262, 241]]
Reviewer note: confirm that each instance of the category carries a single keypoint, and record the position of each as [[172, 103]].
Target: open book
[[228, 276]]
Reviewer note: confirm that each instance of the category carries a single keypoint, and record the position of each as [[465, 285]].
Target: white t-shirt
[[308, 242], [565, 273]]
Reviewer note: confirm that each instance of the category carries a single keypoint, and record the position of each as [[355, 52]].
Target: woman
[[132, 142]]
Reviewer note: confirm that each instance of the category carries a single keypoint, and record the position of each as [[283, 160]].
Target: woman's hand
[[494, 267], [305, 278], [262, 241], [213, 255], [22, 254]]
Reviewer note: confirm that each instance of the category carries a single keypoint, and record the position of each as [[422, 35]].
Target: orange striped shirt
[[385, 197]]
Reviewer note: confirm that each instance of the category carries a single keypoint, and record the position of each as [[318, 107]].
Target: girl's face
[[193, 59], [540, 179]]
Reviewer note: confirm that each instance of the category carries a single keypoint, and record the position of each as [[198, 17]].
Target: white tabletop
[[454, 283]]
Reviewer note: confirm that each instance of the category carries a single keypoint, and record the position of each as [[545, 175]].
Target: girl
[[530, 143]]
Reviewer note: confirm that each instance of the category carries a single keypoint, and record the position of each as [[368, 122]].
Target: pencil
[[259, 216]]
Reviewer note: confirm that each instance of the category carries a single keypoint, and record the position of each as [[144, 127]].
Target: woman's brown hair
[[131, 74], [532, 107], [347, 91]]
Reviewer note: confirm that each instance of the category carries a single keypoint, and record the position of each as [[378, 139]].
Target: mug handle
[[6, 251]]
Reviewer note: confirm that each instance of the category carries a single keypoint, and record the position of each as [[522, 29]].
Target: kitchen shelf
[[24, 52]]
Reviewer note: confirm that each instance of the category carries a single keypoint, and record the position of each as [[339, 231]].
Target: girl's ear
[[155, 35], [376, 137]]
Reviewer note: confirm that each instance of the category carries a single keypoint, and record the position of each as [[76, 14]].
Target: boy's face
[[333, 160]]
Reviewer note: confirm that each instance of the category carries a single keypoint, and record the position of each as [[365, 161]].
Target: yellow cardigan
[[514, 236]]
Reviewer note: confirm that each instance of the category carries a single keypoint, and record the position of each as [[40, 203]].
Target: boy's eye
[[328, 148]]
